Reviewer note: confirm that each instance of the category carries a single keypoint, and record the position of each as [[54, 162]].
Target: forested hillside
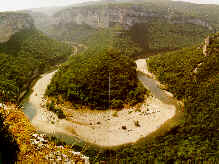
[[194, 79], [85, 78], [162, 36], [154, 26], [152, 37], [107, 37], [23, 58], [70, 32]]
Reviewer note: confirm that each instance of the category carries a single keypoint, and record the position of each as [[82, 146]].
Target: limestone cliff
[[209, 47], [126, 15], [11, 23], [211, 43], [206, 45]]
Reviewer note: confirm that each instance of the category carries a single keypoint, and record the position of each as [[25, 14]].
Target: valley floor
[[103, 128]]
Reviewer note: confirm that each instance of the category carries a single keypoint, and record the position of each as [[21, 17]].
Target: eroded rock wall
[[11, 23], [109, 15]]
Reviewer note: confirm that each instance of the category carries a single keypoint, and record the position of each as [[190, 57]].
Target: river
[[161, 122]]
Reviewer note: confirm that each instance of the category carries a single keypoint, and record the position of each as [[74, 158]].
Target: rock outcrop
[[126, 15], [206, 45], [211, 44], [11, 23], [195, 71], [41, 20]]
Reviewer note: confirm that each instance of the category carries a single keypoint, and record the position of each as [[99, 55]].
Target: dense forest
[[152, 37], [173, 25], [23, 58], [70, 32], [194, 79], [100, 77], [159, 35]]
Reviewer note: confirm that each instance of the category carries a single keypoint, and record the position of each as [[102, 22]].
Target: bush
[[8, 146], [51, 107], [116, 104], [137, 123], [138, 94], [60, 113]]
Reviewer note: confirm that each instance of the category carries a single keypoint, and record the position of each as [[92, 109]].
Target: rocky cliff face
[[126, 15], [210, 44], [209, 47], [11, 23], [206, 45], [41, 20], [104, 16]]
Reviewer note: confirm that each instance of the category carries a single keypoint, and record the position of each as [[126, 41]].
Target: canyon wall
[[11, 23], [108, 15]]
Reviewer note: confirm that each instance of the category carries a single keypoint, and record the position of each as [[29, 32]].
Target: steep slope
[[70, 32], [162, 24], [22, 143], [193, 78], [12, 23], [41, 20], [160, 36], [127, 14], [84, 79], [24, 57], [25, 54]]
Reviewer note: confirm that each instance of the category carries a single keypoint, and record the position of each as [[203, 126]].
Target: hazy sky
[[6, 5], [202, 1]]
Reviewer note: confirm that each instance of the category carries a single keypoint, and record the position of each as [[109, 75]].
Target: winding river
[[166, 118]]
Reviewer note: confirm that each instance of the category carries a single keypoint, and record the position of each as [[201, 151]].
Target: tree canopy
[[195, 138], [25, 56], [98, 78]]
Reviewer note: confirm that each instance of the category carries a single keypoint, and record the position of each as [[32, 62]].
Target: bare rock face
[[126, 16], [105, 16], [206, 45], [211, 42], [11, 23], [195, 71], [200, 22], [41, 20]]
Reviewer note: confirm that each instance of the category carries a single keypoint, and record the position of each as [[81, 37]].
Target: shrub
[[8, 146], [58, 111], [117, 103]]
